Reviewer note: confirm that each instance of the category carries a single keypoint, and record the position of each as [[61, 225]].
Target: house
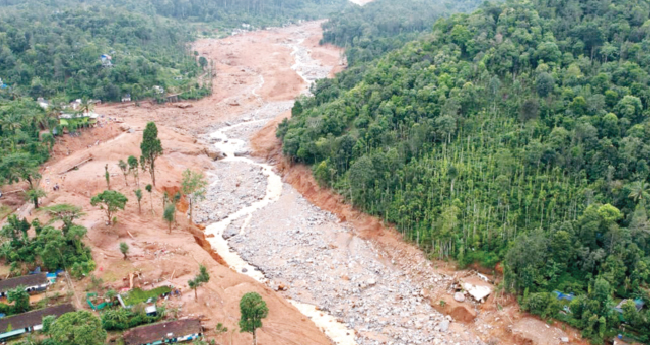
[[158, 89], [126, 98], [562, 296], [43, 103], [165, 332], [32, 283], [78, 119], [106, 60], [151, 310], [638, 303], [172, 98], [75, 104], [29, 322]]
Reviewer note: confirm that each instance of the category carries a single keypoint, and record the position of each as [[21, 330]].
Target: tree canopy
[[110, 201], [253, 310], [517, 133], [77, 328]]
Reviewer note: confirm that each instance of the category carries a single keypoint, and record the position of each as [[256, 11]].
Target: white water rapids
[[336, 331]]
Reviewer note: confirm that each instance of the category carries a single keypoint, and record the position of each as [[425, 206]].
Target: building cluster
[[35, 284]]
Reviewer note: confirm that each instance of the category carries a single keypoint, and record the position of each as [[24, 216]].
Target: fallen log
[[77, 165]]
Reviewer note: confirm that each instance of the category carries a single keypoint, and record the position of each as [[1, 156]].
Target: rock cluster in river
[[233, 186]]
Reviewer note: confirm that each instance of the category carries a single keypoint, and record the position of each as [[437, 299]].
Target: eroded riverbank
[[337, 279]]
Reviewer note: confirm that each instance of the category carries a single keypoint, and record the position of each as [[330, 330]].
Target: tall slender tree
[[151, 149]]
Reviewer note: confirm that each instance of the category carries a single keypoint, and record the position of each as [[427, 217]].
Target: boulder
[[444, 325], [229, 233], [459, 297], [240, 153], [214, 153]]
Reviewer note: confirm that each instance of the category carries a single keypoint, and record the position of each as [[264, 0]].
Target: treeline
[[383, 25], [234, 13], [518, 133]]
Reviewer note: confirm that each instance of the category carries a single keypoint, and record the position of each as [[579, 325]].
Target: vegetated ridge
[[517, 133], [368, 31]]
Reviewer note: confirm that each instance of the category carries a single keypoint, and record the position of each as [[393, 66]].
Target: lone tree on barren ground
[[110, 201], [169, 215], [125, 170], [107, 175], [124, 249], [200, 279], [138, 195], [253, 310], [151, 149], [193, 187], [133, 169], [150, 190]]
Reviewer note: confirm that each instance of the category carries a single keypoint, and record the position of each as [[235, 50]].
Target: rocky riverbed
[[308, 254]]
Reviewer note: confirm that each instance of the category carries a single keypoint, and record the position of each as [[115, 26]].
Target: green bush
[[137, 295], [121, 319]]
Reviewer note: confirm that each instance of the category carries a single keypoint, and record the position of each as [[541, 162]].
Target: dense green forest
[[383, 25], [54, 48], [232, 13], [519, 134], [51, 52]]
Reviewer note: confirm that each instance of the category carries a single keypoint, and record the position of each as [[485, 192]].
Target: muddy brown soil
[[157, 257]]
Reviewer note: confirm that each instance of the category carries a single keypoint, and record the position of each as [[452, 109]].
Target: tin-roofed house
[[165, 332], [20, 324], [33, 283]]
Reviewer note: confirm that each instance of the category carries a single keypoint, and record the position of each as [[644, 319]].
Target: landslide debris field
[[328, 273]]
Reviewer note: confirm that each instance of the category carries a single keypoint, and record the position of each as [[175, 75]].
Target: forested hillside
[[383, 25], [518, 133], [56, 52], [53, 48], [259, 13]]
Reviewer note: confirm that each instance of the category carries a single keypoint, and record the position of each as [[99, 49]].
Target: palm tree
[[639, 191], [53, 113], [85, 106]]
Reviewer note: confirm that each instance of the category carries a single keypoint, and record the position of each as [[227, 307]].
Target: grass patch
[[138, 295], [5, 211]]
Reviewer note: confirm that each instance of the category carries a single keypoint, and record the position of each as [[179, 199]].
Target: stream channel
[[235, 150]]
